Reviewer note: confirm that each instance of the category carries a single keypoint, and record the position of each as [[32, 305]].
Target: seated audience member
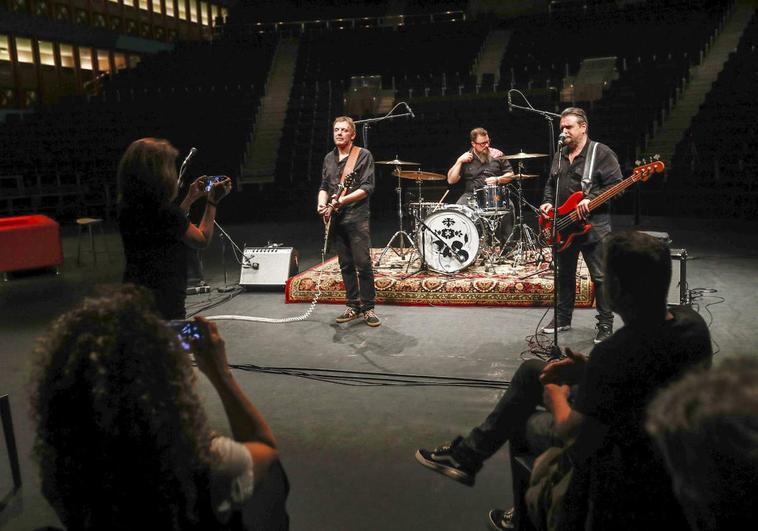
[[614, 385], [706, 426], [157, 233], [121, 436]]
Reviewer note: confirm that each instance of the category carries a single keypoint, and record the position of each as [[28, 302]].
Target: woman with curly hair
[[156, 232], [122, 439]]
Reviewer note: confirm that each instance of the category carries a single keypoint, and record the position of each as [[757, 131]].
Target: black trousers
[[566, 261], [353, 243], [513, 418]]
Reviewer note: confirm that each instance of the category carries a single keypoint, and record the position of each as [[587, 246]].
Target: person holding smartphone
[[122, 438], [156, 233]]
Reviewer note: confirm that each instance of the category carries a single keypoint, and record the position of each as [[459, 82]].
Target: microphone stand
[[223, 237], [555, 350], [389, 116]]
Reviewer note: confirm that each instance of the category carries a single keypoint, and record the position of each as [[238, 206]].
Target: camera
[[187, 332], [211, 180]]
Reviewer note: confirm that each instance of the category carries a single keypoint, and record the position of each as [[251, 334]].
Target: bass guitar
[[343, 189], [569, 225]]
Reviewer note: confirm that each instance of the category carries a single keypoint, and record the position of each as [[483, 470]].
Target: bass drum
[[449, 239]]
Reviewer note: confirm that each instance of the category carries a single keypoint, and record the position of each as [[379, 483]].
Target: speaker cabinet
[[268, 267]]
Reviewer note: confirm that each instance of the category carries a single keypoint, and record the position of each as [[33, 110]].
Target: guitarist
[[350, 226], [581, 165]]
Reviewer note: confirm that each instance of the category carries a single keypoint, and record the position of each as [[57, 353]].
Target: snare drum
[[449, 238], [492, 199]]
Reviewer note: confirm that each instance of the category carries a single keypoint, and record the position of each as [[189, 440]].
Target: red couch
[[29, 242]]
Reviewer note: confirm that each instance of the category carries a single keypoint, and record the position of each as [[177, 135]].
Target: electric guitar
[[343, 189], [569, 225]]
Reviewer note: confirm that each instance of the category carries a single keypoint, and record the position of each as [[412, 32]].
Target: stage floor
[[349, 450]]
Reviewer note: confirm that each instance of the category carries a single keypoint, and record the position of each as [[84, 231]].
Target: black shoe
[[604, 331], [562, 327], [445, 461], [371, 319], [501, 520], [350, 314]]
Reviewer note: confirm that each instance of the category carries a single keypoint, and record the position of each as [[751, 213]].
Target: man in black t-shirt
[[627, 485], [568, 168]]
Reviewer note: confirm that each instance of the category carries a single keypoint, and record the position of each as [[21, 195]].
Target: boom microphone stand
[[555, 350]]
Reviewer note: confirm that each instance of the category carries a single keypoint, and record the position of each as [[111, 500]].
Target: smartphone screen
[[187, 332], [211, 180]]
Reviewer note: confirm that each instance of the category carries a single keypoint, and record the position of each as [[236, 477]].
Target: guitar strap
[[589, 167], [352, 158]]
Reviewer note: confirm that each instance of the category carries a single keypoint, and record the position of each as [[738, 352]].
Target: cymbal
[[521, 155], [522, 176], [397, 162], [419, 175]]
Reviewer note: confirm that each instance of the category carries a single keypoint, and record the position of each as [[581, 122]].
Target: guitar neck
[[608, 194]]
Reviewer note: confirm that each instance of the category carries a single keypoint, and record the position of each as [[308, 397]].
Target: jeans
[[511, 419], [566, 261], [353, 243]]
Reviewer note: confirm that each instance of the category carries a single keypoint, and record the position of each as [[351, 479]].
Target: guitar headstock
[[349, 178], [646, 167]]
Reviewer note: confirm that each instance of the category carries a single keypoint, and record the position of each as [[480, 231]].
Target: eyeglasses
[[486, 142]]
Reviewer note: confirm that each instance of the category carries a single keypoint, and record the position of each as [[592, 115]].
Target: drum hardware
[[400, 234], [521, 156], [522, 176], [419, 175], [397, 162], [523, 238]]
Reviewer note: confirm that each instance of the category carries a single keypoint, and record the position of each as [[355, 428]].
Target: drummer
[[480, 166]]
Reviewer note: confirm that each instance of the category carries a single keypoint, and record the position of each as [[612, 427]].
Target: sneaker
[[371, 319], [604, 331], [350, 314], [550, 328], [444, 461], [500, 520]]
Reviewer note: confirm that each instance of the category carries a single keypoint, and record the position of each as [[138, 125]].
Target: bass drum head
[[455, 226]]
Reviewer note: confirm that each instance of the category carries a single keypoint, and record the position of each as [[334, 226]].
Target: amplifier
[[678, 289], [268, 267]]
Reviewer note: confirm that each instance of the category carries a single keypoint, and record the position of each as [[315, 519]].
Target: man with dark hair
[[350, 226], [614, 386], [706, 426], [590, 167], [479, 166]]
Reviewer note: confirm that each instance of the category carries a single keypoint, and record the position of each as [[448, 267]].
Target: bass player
[[581, 165], [350, 226]]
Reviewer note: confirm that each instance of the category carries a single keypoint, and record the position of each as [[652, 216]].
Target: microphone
[[561, 139], [510, 104], [191, 154], [183, 167], [409, 110]]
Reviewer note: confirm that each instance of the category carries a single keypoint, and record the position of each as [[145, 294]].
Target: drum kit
[[448, 238]]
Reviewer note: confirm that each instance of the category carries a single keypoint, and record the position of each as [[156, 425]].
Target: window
[[193, 10], [134, 61], [24, 50], [120, 60], [169, 8], [85, 58], [103, 63], [5, 53], [114, 1], [67, 55], [157, 6], [182, 8], [129, 3], [214, 14], [46, 54], [143, 5], [204, 13]]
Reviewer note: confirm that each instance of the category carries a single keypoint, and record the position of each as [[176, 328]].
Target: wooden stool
[[89, 223]]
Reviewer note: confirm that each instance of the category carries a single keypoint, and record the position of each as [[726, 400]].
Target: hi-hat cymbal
[[521, 155], [397, 162], [419, 175]]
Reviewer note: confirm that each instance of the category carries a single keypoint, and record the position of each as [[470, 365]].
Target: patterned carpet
[[396, 283]]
